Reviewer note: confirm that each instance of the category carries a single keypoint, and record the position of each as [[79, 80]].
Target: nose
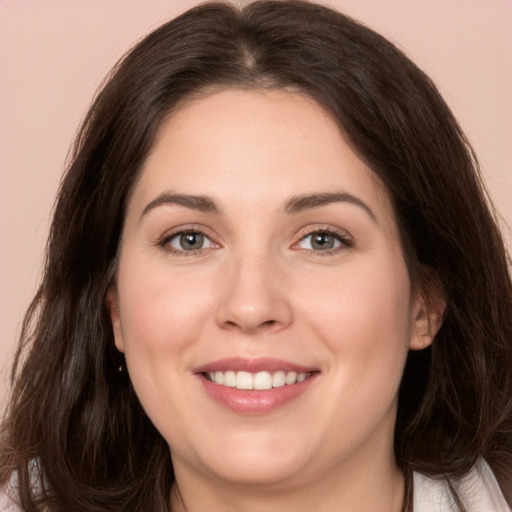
[[255, 297]]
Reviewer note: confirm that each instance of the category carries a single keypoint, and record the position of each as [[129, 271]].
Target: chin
[[257, 461], [267, 473]]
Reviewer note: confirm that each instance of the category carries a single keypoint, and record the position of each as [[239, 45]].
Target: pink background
[[54, 54]]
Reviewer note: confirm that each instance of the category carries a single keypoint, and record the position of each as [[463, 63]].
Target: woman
[[273, 283]]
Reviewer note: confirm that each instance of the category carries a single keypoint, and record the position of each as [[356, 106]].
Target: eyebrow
[[201, 203], [309, 201], [295, 204]]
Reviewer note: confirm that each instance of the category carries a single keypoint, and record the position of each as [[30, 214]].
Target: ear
[[112, 305], [427, 318]]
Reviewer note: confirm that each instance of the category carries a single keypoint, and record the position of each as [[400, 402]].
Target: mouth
[[255, 386], [260, 381]]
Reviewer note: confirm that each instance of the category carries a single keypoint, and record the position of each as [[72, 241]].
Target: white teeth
[[262, 380], [257, 381], [278, 379], [243, 380], [291, 378], [230, 379]]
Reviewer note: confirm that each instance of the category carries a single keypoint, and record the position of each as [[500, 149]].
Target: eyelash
[[164, 242], [341, 236]]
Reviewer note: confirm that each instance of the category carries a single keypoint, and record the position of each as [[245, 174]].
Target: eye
[[188, 241], [322, 241]]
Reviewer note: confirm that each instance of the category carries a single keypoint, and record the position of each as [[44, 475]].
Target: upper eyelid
[[344, 237], [340, 233], [170, 236], [164, 240], [191, 228]]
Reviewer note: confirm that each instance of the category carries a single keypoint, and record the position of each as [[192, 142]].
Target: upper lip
[[256, 365]]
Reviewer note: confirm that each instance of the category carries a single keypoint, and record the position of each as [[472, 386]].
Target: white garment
[[478, 490], [6, 504]]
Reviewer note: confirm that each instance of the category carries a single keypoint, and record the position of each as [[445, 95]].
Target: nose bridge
[[254, 293]]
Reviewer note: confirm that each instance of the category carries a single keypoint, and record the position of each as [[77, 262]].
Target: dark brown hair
[[75, 433]]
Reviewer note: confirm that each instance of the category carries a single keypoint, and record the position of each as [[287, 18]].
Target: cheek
[[362, 314], [159, 308], [162, 313]]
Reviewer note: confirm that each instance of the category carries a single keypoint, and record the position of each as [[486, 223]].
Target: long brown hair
[[75, 434]]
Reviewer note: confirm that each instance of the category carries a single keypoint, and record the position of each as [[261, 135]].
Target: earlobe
[[112, 305], [426, 322]]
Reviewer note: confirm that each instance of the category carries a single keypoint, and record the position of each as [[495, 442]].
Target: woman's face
[[259, 251]]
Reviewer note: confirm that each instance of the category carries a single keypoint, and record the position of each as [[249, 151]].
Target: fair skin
[[249, 271]]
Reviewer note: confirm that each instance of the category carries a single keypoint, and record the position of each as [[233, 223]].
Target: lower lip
[[255, 401]]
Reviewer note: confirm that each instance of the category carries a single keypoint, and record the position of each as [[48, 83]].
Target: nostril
[[248, 326]]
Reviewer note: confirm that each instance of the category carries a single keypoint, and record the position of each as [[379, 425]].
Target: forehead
[[254, 145]]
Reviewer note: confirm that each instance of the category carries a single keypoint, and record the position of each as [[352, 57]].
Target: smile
[[255, 386], [256, 381]]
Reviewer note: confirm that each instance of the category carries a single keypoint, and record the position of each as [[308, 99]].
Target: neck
[[372, 487]]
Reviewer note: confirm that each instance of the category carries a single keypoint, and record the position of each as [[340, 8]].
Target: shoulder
[[7, 500], [478, 490]]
